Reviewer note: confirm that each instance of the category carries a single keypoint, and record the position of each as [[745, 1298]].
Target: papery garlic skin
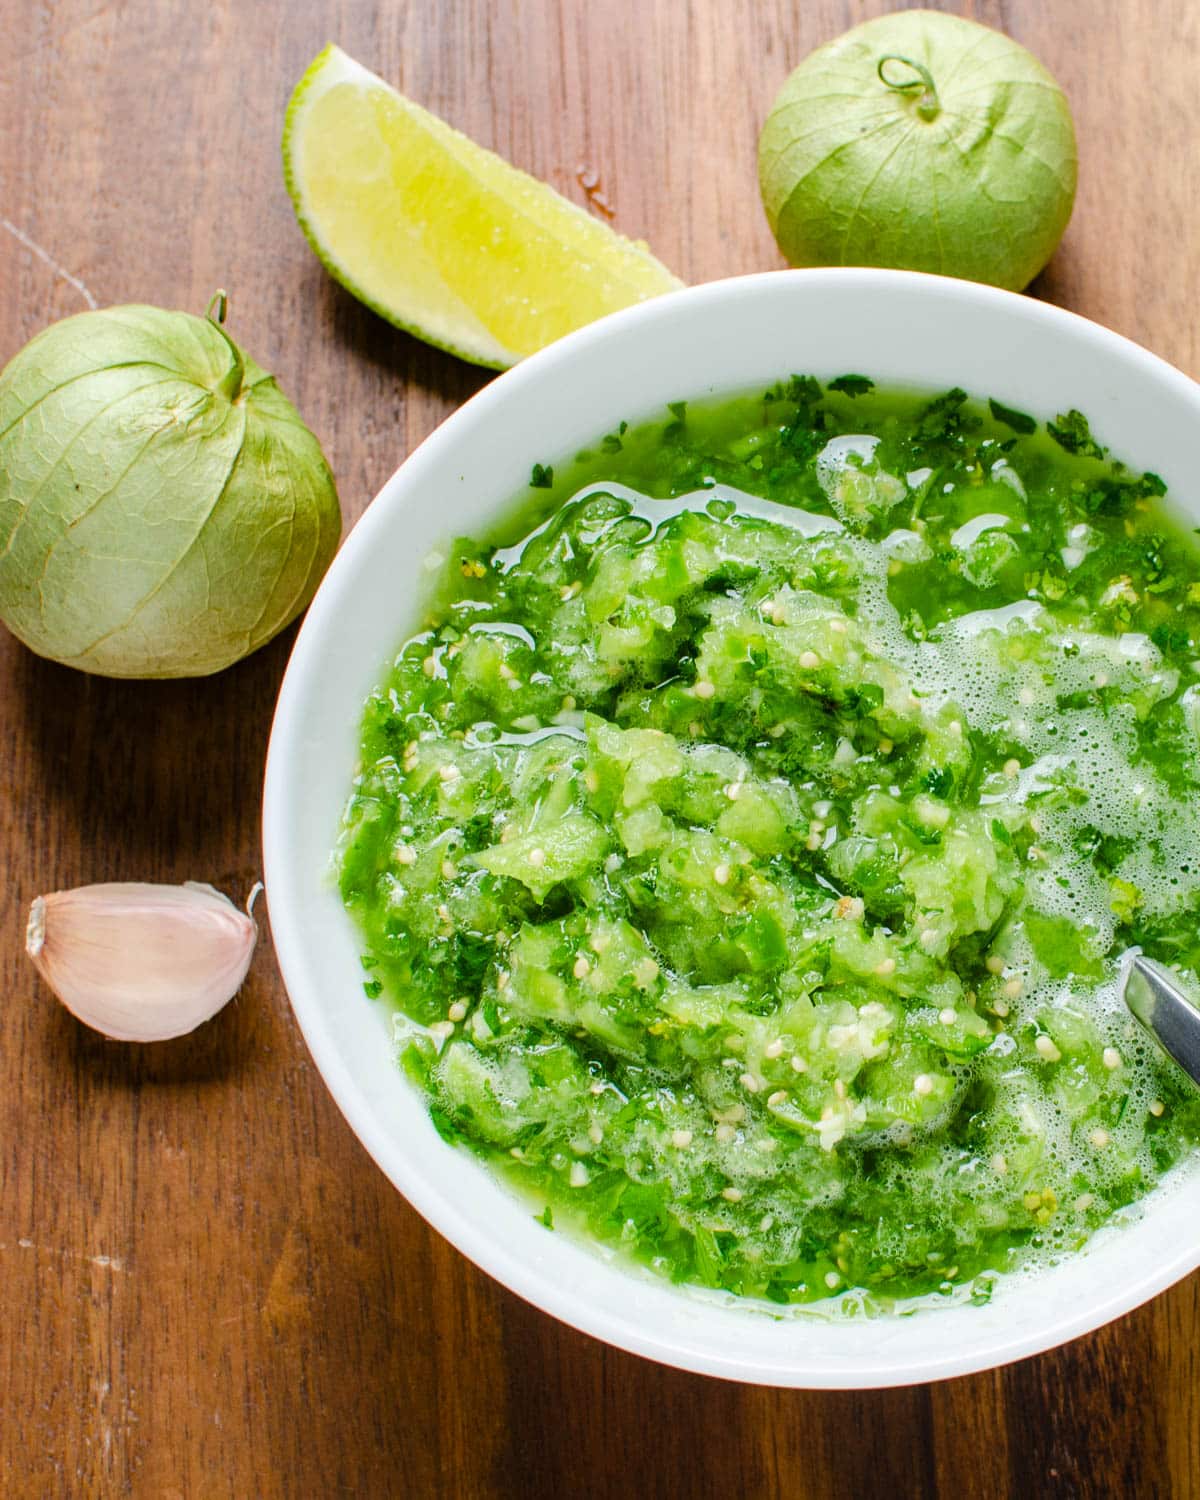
[[139, 962]]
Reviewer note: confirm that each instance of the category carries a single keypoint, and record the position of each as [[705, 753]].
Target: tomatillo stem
[[220, 301], [928, 105], [231, 386]]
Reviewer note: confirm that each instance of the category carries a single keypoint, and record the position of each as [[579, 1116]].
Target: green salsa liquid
[[748, 845]]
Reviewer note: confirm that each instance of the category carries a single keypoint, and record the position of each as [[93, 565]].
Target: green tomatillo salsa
[[748, 850]]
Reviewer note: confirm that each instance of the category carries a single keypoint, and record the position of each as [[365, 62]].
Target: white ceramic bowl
[[728, 336]]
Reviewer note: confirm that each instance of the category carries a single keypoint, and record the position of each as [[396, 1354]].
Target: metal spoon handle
[[1153, 994]]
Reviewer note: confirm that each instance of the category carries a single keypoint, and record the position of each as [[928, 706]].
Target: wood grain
[[205, 1286]]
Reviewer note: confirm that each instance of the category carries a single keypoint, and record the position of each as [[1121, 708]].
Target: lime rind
[[332, 60], [446, 319]]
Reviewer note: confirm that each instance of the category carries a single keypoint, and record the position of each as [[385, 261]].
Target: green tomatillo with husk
[[924, 142], [164, 510]]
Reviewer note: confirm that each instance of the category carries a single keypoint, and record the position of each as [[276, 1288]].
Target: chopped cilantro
[[852, 385], [939, 780], [1017, 420], [943, 417], [805, 434], [863, 697], [541, 477], [1071, 431], [805, 390], [1170, 637]]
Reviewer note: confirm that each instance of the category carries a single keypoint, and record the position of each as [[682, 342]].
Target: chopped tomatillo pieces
[[746, 848]]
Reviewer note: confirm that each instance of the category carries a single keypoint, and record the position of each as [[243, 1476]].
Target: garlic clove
[[138, 962]]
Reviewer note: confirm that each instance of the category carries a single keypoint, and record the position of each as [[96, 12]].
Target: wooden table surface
[[206, 1288]]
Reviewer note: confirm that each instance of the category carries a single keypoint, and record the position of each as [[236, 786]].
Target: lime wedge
[[444, 239]]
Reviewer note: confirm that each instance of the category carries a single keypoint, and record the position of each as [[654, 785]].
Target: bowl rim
[[461, 1227]]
